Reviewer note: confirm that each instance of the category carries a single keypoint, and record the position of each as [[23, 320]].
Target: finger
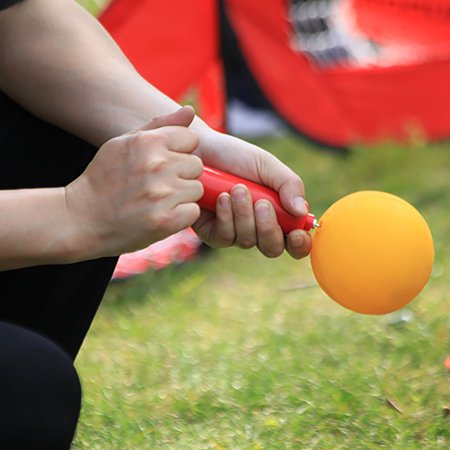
[[188, 166], [178, 139], [217, 229], [298, 244], [183, 216], [183, 117], [287, 183], [292, 196], [270, 236], [188, 191], [244, 220], [224, 233]]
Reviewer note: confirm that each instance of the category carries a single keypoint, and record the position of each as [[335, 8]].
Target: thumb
[[183, 117]]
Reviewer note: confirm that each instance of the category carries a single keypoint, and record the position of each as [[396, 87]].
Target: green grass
[[235, 351]]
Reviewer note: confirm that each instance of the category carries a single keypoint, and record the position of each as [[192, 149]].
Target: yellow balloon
[[373, 252]]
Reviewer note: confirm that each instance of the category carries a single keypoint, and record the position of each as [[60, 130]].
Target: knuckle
[[227, 238], [161, 220], [298, 179], [247, 243], [197, 165], [199, 190], [156, 163], [195, 212], [221, 242], [138, 139], [145, 139], [193, 137], [155, 192], [299, 183], [118, 140], [167, 134]]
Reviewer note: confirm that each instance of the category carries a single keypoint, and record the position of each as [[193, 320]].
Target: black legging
[[46, 311], [40, 394]]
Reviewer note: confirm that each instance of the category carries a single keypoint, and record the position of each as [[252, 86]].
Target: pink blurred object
[[177, 248], [447, 362]]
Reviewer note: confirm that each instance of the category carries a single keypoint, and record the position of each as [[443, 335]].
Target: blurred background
[[225, 349]]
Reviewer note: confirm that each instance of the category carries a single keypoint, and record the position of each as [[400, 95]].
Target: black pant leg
[[57, 301], [40, 393]]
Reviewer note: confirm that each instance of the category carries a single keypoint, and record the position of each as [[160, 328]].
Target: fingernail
[[239, 194], [224, 201], [262, 210], [299, 205]]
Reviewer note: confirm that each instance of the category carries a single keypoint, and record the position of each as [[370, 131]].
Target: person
[[95, 162]]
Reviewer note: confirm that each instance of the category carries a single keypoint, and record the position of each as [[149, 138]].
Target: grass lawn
[[235, 351]]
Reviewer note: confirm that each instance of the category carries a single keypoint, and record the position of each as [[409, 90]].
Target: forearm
[[67, 70], [58, 62], [35, 229]]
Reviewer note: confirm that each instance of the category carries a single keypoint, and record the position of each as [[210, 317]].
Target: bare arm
[[140, 188], [59, 63], [27, 236]]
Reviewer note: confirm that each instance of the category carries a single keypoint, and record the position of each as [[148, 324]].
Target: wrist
[[81, 240], [65, 242]]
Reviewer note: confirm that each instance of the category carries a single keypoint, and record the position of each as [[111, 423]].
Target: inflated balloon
[[372, 252]]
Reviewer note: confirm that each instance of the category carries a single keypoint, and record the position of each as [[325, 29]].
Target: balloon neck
[[310, 222]]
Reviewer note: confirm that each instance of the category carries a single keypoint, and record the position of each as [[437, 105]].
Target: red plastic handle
[[215, 182]]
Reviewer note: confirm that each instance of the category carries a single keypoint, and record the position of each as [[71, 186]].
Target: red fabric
[[405, 23], [171, 43], [174, 45], [211, 98], [437, 8], [175, 249], [286, 78], [339, 107], [388, 103]]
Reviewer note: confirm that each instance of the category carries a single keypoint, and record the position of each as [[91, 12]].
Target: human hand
[[238, 222], [140, 187]]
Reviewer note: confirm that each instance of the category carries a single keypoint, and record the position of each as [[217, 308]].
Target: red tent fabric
[[175, 45], [342, 105], [402, 22]]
